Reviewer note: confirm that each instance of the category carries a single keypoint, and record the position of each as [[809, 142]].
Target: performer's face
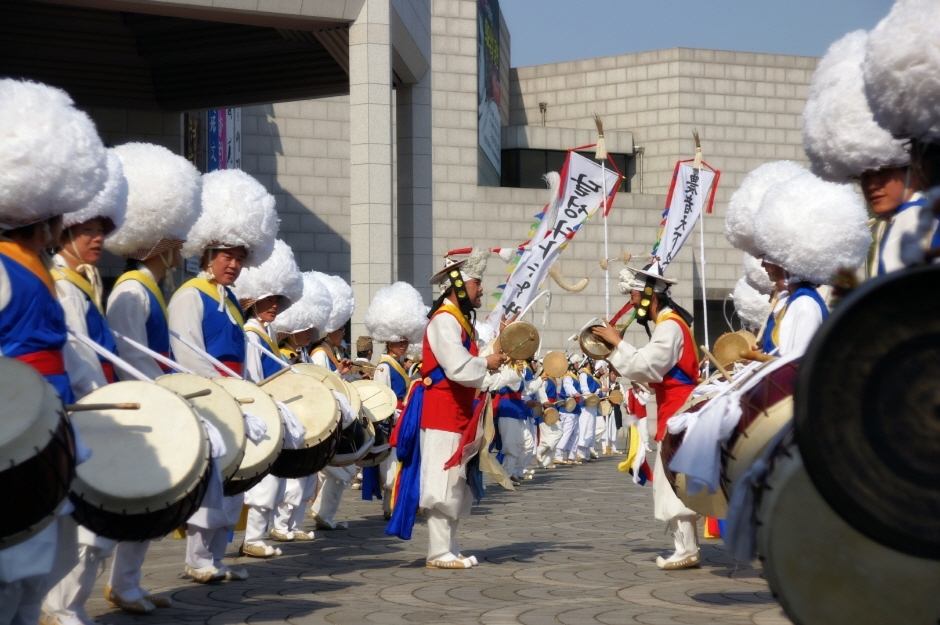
[[227, 265], [398, 348], [86, 241], [302, 338], [475, 292], [266, 308], [774, 272], [885, 189]]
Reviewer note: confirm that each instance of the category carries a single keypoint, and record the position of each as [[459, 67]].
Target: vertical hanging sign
[[489, 96], [224, 139]]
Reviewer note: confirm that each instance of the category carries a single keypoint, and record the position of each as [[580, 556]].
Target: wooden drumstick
[[752, 355], [85, 407], [717, 364], [194, 395], [760, 334], [274, 375], [245, 400]]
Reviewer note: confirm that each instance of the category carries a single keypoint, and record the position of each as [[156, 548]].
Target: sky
[[550, 31]]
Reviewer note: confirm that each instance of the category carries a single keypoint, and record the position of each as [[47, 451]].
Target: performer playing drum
[[237, 226], [567, 449], [669, 364], [397, 317]]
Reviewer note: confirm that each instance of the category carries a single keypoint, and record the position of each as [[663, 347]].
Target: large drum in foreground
[[149, 467], [259, 457], [868, 411], [37, 453], [822, 570], [316, 409]]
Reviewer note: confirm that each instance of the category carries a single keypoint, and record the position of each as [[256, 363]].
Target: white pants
[[289, 514], [642, 427], [333, 481], [568, 444], [125, 569], [206, 547], [20, 601], [67, 598], [442, 536], [25, 570], [685, 536], [517, 445], [549, 435], [607, 432], [586, 429], [388, 472], [668, 507]]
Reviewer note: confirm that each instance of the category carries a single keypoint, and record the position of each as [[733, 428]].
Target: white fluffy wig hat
[[310, 312], [812, 228], [902, 70], [756, 276], [397, 313], [743, 205], [840, 135], [52, 160], [237, 211], [278, 275], [109, 205], [343, 301], [162, 204], [752, 306]]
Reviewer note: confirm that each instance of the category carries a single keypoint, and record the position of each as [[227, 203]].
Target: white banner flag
[[690, 190], [582, 194]]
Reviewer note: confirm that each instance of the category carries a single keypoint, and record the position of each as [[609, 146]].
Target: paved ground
[[575, 545]]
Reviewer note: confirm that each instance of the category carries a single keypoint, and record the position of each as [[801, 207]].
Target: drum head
[[218, 408], [261, 455], [550, 416], [594, 347], [353, 396], [332, 381], [555, 364], [728, 348], [143, 459], [311, 401], [604, 408], [866, 410], [591, 401], [519, 340], [378, 401], [29, 412], [570, 405], [616, 396]]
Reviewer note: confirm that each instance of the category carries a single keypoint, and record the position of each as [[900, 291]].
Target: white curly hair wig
[[310, 312], [840, 135], [812, 228], [278, 275], [163, 199], [752, 306], [110, 204], [902, 70], [52, 160], [743, 205], [343, 301], [756, 275], [237, 211], [397, 313]]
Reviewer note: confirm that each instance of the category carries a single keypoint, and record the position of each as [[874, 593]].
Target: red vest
[[448, 405], [679, 382], [634, 406]]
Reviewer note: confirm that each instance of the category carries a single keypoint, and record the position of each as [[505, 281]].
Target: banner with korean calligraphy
[[580, 195], [224, 139], [691, 192]]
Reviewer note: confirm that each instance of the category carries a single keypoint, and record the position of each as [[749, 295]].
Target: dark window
[[524, 168]]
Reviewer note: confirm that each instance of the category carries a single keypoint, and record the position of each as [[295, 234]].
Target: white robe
[[127, 313], [654, 360], [81, 362], [799, 325]]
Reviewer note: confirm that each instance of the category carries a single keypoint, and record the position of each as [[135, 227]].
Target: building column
[[370, 156], [415, 254]]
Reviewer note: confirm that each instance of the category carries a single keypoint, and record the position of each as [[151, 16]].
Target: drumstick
[[752, 355], [245, 400], [83, 407], [274, 375], [760, 333], [202, 393], [716, 363]]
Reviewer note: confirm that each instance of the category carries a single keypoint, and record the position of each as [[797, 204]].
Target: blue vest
[[399, 382], [808, 291], [98, 331], [551, 391], [223, 339], [920, 202], [768, 343], [158, 332], [33, 321], [593, 385]]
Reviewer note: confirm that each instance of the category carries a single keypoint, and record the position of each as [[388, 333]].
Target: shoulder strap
[[686, 330], [210, 289], [329, 354], [32, 262], [448, 307], [394, 365], [264, 336], [69, 275], [149, 284]]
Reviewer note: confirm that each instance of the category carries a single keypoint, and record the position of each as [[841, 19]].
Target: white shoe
[[675, 562], [236, 575]]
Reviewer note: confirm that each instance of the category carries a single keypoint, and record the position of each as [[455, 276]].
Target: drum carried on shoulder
[[37, 452]]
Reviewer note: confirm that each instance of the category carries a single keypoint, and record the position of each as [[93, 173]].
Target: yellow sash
[[69, 275], [778, 317], [394, 365], [329, 353], [675, 316], [212, 291], [31, 261], [264, 336], [456, 312], [149, 284]]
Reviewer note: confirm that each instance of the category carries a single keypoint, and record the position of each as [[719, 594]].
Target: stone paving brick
[[575, 545]]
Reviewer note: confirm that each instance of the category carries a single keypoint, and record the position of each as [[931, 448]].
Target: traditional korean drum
[[378, 404], [592, 400], [554, 364], [711, 505], [616, 396], [259, 457], [604, 408], [821, 569], [149, 468], [570, 405], [356, 441], [332, 381], [766, 407], [37, 452], [313, 404], [550, 415], [217, 407]]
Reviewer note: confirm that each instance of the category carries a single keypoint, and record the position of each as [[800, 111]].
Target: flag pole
[[697, 166], [600, 153]]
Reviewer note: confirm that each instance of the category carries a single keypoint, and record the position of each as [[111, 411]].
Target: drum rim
[[38, 434], [310, 443], [249, 472], [385, 390]]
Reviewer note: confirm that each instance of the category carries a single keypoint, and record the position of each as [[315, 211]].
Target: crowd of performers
[[444, 404]]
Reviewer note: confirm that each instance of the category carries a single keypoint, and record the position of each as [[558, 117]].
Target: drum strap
[[394, 364]]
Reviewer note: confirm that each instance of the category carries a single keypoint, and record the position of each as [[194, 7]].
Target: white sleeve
[[81, 362], [254, 371], [443, 334], [567, 383], [799, 325], [186, 320], [128, 310], [651, 362], [383, 374], [6, 292], [582, 382], [320, 358], [542, 394], [504, 376], [532, 387]]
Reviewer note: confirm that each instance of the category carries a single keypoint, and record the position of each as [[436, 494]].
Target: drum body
[[356, 441], [766, 407], [821, 569], [37, 449], [316, 409], [380, 449], [711, 505], [259, 457], [218, 408], [150, 467]]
